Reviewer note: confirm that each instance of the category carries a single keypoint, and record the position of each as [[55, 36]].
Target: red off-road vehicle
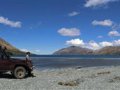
[[18, 68]]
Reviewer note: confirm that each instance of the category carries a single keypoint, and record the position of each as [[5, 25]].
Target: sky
[[44, 26]]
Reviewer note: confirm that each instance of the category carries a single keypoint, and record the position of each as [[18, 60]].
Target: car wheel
[[1, 72], [19, 72]]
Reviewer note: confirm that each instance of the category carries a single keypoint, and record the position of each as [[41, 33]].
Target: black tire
[[1, 72], [19, 72]]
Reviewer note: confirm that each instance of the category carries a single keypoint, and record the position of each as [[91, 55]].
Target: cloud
[[105, 43], [112, 43], [74, 13], [36, 51], [114, 33], [78, 42], [69, 31], [106, 22], [96, 3], [100, 36], [35, 25], [115, 26], [75, 42], [92, 44], [116, 42], [24, 50], [10, 23]]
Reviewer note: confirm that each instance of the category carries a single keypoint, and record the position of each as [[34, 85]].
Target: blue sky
[[44, 26]]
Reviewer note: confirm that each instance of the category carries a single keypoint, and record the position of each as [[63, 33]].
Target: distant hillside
[[111, 50], [73, 50], [11, 48]]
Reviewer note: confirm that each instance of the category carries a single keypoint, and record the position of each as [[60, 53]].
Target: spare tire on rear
[[19, 72]]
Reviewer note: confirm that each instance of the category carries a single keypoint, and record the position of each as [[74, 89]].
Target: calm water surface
[[51, 61]]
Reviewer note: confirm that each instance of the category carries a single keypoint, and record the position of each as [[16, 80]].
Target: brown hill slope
[[110, 50], [11, 48], [73, 50]]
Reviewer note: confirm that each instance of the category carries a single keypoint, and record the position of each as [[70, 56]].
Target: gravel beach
[[93, 78]]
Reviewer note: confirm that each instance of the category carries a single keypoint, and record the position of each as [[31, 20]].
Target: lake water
[[66, 61]]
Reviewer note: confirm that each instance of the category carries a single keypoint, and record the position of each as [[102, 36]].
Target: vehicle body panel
[[9, 65]]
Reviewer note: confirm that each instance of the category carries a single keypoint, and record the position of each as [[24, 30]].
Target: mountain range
[[75, 50], [72, 50]]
